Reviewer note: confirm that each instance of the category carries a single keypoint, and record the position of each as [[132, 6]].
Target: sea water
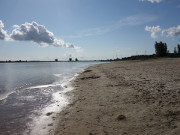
[[31, 92]]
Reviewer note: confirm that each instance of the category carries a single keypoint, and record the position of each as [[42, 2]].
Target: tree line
[[161, 50]]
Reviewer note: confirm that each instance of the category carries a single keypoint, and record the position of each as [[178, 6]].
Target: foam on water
[[44, 86], [44, 124], [5, 95]]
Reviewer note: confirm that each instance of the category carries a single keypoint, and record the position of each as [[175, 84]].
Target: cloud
[[152, 1], [136, 20], [3, 33], [34, 32], [38, 34], [154, 30], [133, 20], [171, 32]]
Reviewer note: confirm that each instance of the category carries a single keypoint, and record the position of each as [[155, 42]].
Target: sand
[[124, 98]]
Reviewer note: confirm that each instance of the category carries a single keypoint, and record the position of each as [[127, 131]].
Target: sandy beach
[[124, 98]]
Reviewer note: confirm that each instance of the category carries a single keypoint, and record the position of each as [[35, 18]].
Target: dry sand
[[125, 98]]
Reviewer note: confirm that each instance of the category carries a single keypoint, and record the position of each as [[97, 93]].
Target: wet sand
[[124, 98]]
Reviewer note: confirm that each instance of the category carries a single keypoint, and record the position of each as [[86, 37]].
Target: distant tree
[[178, 48], [76, 59], [175, 51], [70, 59], [160, 49]]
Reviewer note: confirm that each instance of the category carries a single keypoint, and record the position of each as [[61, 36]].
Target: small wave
[[58, 75], [5, 95], [44, 86]]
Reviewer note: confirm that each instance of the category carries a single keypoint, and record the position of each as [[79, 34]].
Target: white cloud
[[136, 20], [154, 30], [133, 20], [3, 33], [171, 32], [34, 32], [1, 24], [153, 1], [38, 34]]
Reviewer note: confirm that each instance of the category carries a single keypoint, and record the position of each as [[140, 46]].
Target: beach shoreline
[[127, 97]]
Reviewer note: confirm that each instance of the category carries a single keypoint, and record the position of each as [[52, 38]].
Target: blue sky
[[86, 29]]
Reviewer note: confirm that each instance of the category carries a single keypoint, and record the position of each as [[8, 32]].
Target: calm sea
[[30, 90]]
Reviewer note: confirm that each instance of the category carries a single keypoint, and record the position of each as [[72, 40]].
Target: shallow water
[[29, 89]]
